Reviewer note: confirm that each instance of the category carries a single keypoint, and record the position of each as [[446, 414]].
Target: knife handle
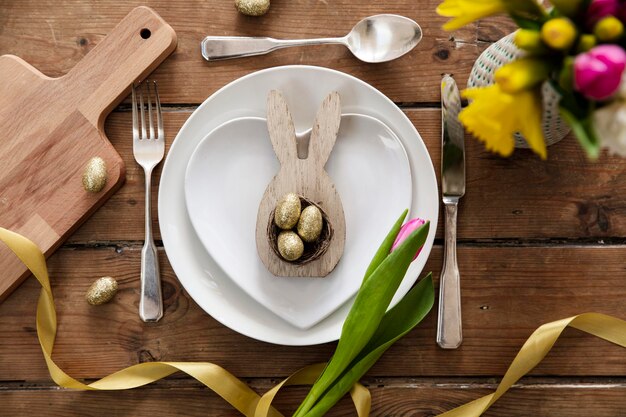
[[449, 328]]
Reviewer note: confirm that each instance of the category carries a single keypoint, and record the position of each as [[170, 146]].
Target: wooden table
[[538, 241]]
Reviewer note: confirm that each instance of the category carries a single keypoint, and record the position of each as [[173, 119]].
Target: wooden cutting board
[[51, 127]]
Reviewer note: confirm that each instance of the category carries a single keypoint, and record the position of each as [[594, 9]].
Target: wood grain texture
[[507, 292], [566, 197], [46, 147], [519, 225], [305, 177], [53, 35], [389, 398]]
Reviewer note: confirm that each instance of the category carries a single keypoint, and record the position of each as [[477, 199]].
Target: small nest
[[313, 250]]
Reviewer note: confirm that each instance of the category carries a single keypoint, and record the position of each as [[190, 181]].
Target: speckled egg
[[310, 224], [287, 211], [252, 7], [290, 246], [101, 291], [95, 175]]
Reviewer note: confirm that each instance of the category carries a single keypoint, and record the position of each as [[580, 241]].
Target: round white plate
[[304, 88], [225, 181]]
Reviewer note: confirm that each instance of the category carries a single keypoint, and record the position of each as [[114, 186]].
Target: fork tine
[[143, 118], [135, 121], [150, 125], [158, 112]]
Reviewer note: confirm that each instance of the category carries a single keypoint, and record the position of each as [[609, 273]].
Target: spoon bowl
[[383, 38]]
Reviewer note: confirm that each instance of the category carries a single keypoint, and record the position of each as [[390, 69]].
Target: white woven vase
[[503, 52]]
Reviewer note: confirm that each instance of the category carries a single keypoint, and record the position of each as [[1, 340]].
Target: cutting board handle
[[132, 50]]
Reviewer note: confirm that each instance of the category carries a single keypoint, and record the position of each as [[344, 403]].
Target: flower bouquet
[[577, 46]]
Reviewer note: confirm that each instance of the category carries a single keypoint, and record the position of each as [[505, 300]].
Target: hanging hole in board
[[145, 33]]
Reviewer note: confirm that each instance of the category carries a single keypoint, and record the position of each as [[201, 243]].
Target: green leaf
[[525, 23], [369, 307], [583, 130], [531, 8], [380, 255], [385, 247], [527, 14], [396, 323], [577, 112]]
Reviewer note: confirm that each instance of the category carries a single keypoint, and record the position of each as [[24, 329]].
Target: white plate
[[203, 279], [225, 181]]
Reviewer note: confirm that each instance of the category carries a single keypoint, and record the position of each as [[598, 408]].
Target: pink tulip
[[598, 73], [405, 231], [599, 9]]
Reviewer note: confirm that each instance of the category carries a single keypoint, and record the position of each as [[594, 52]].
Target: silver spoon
[[379, 38]]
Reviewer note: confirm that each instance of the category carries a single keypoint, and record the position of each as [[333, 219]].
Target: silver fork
[[148, 151]]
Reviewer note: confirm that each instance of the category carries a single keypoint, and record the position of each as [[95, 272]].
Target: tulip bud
[[559, 33], [567, 7], [598, 73], [586, 42], [608, 29], [521, 74], [529, 40], [405, 231]]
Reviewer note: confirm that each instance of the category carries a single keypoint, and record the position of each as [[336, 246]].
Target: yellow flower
[[559, 33], [463, 12], [529, 40], [495, 116], [468, 11], [586, 42], [609, 29], [522, 74]]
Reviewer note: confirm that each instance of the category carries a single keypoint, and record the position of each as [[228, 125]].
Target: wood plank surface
[[507, 293], [54, 35], [517, 198], [389, 398], [539, 240]]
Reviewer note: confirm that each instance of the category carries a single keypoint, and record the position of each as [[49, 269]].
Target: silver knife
[[449, 328]]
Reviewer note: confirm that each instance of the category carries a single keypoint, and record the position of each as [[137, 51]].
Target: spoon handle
[[228, 47]]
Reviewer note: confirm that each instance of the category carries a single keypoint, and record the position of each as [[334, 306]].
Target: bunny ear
[[325, 128], [280, 126]]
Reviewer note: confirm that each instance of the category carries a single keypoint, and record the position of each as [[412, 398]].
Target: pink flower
[[405, 231], [598, 73], [599, 9]]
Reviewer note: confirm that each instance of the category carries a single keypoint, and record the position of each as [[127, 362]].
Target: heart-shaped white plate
[[224, 183]]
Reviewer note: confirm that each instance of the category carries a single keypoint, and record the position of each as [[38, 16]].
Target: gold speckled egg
[[310, 224], [290, 245], [101, 291], [95, 175], [252, 7], [287, 211]]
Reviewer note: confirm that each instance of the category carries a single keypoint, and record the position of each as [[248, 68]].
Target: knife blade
[[449, 327]]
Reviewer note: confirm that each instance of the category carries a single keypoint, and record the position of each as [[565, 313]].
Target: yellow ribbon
[[537, 347], [225, 384], [242, 397]]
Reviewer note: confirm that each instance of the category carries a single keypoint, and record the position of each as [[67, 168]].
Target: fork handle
[[151, 301]]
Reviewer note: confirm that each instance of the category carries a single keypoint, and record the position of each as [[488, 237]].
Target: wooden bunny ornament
[[305, 177]]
